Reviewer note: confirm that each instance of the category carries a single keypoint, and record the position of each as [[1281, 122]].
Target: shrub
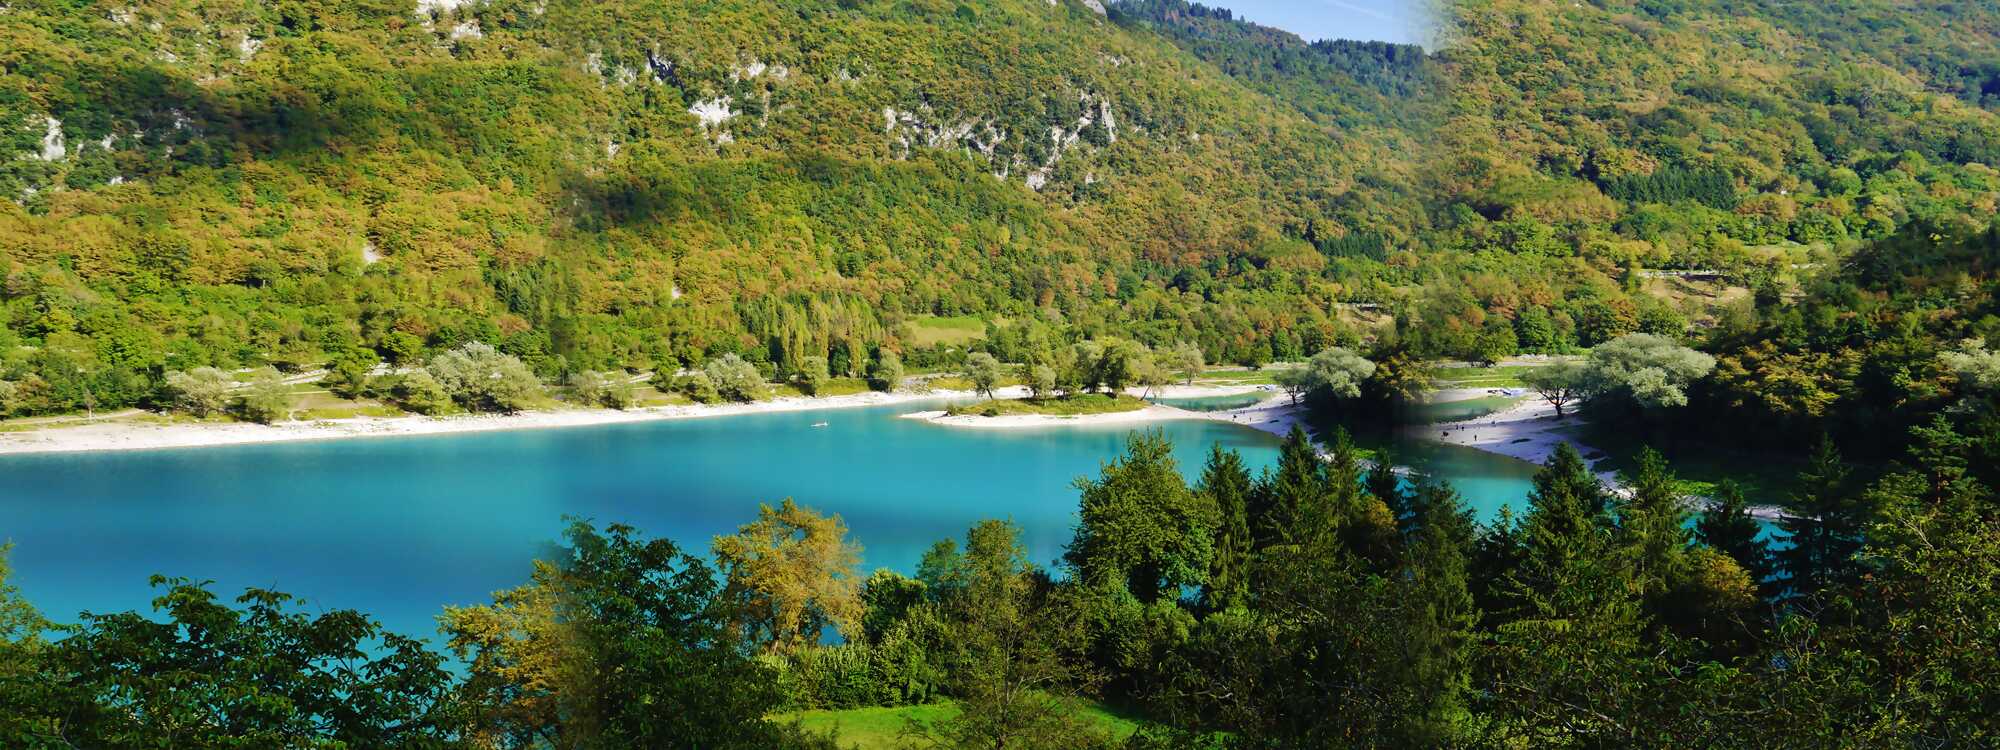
[[887, 373], [610, 390], [481, 378], [421, 393], [202, 391], [812, 375], [698, 388], [266, 399], [734, 379]]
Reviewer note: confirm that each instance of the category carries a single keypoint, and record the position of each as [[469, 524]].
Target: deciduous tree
[[788, 575]]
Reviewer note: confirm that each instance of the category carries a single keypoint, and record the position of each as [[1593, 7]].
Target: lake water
[[399, 527]]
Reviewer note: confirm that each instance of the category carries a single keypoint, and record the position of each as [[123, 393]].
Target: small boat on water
[[819, 424]]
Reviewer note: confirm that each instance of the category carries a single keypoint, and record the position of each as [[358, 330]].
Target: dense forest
[[599, 186]]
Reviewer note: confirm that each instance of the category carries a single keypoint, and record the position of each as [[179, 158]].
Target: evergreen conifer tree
[[1226, 483]]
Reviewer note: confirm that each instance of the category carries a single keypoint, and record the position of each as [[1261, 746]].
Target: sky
[[1384, 20]]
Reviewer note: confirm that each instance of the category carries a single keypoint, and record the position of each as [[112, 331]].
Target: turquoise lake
[[400, 527]]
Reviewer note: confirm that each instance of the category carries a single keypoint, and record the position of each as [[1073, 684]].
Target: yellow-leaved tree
[[788, 575]]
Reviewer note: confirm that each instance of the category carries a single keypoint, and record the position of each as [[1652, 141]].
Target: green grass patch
[[885, 728], [1070, 406], [1235, 376], [833, 387], [933, 331], [1481, 377], [962, 383], [348, 411]]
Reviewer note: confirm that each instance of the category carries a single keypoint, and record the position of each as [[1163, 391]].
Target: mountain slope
[[594, 184], [597, 184]]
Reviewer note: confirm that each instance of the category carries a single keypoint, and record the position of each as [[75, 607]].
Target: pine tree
[[1383, 484], [1652, 524], [1822, 523], [1727, 526], [1496, 554], [1286, 498], [1564, 657], [1437, 620], [1363, 525], [1566, 518], [1226, 483]]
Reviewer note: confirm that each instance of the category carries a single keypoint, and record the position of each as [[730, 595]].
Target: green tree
[[1041, 380], [1824, 521], [1727, 526], [1337, 374], [1010, 663], [1652, 524], [1561, 669], [1495, 342], [1653, 371], [417, 391], [1226, 484], [265, 398], [1186, 359], [201, 674], [1139, 527], [1977, 368], [1386, 487], [624, 642], [202, 391], [347, 375], [1560, 383], [481, 378], [812, 375], [733, 378], [1284, 500], [611, 390], [1081, 369], [984, 371], [1431, 670], [1123, 363], [1297, 382], [25, 706], [887, 373], [887, 598]]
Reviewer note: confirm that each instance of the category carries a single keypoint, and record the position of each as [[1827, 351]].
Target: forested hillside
[[596, 185], [628, 184]]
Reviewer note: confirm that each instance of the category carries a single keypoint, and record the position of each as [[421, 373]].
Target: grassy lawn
[[1089, 403], [1266, 375], [961, 383], [345, 413], [954, 331], [1508, 376], [833, 387], [883, 728]]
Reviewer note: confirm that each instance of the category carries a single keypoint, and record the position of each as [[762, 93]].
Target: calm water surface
[[399, 527]]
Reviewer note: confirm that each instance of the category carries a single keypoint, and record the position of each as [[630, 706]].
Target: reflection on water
[[1456, 411], [1215, 403]]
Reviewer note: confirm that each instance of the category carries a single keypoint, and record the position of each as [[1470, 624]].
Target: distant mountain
[[598, 184]]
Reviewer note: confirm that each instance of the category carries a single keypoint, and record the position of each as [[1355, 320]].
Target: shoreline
[[117, 436], [1274, 415], [1528, 431], [127, 436]]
